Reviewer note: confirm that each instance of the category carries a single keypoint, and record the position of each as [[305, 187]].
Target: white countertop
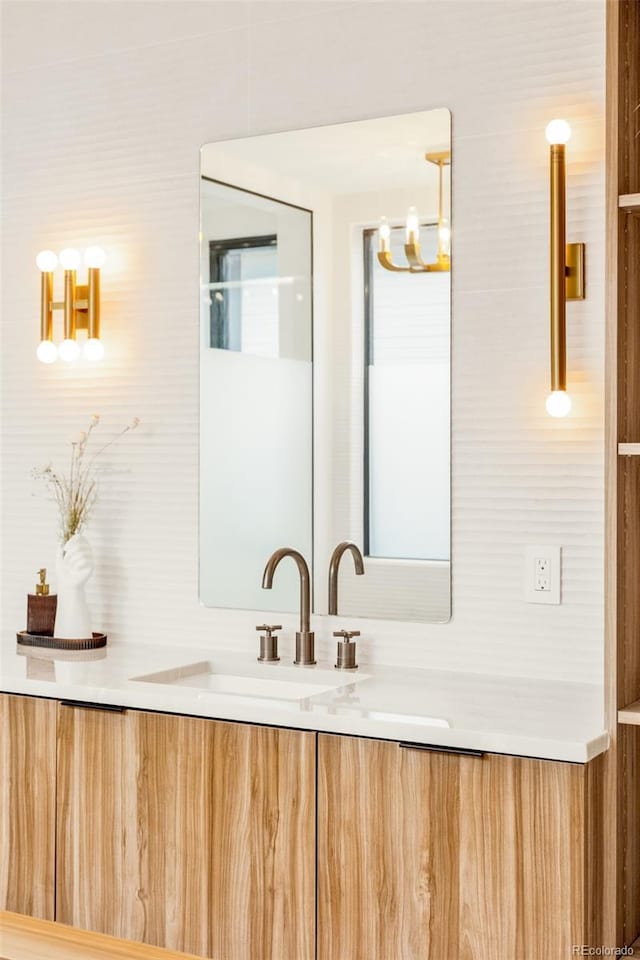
[[513, 715]]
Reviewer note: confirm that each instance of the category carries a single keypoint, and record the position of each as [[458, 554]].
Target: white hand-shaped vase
[[74, 566]]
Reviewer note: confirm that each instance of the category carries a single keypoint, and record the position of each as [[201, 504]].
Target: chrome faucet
[[334, 569], [305, 639]]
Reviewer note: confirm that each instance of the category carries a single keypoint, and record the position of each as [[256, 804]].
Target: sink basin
[[285, 683]]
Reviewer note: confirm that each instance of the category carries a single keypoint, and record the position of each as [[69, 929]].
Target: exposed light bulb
[[47, 351], [413, 225], [47, 261], [384, 235], [69, 350], [93, 350], [95, 257], [69, 259], [558, 131], [558, 403]]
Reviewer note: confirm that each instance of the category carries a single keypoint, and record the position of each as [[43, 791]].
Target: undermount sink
[[289, 684]]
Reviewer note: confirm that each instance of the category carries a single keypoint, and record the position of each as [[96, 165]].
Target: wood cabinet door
[[428, 856], [27, 805], [387, 851], [186, 833], [99, 846], [530, 858]]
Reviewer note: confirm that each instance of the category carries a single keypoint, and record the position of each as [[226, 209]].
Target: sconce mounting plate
[[575, 272], [80, 305]]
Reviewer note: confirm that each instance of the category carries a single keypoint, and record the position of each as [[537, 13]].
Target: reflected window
[[256, 256], [243, 276], [407, 374]]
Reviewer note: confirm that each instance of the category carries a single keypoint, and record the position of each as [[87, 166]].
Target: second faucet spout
[[334, 569]]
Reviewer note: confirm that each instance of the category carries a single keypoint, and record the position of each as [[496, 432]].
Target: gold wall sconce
[[81, 305], [567, 268], [415, 262]]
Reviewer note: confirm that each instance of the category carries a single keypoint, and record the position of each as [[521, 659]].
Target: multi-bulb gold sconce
[[412, 237], [81, 305], [566, 269]]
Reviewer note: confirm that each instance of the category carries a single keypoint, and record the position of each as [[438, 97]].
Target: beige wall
[[104, 108]]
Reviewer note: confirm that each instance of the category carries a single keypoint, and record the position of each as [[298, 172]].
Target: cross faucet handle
[[346, 650], [269, 629], [268, 643]]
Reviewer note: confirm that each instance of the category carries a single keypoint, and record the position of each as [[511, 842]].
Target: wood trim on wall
[[621, 894], [612, 920]]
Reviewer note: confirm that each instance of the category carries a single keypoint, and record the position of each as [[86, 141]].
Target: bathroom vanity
[[201, 808]]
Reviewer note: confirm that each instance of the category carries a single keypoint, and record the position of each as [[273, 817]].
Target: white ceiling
[[345, 158]]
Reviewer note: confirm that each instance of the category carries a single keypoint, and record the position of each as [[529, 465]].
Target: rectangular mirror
[[349, 224]]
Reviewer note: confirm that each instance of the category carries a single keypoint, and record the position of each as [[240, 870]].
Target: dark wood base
[[57, 643]]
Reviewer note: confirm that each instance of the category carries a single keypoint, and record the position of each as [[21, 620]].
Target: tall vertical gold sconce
[[81, 305], [566, 269]]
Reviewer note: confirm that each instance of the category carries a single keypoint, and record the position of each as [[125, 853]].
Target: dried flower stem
[[76, 495]]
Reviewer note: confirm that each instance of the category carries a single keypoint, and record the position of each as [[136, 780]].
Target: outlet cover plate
[[553, 556]]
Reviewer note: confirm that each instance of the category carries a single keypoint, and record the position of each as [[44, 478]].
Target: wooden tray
[[57, 643]]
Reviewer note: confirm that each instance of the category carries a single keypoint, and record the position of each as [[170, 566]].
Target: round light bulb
[[558, 131], [93, 349], [69, 350], [47, 351], [94, 257], [70, 259], [413, 224], [384, 229], [47, 261], [558, 403]]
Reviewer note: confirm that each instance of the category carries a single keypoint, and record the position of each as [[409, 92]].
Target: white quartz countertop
[[494, 714]]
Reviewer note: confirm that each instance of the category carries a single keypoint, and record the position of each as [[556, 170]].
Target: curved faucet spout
[[334, 569], [304, 638]]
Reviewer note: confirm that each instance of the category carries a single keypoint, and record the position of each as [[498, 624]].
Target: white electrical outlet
[[543, 573]]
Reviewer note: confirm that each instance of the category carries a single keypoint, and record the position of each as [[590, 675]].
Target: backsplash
[[105, 107]]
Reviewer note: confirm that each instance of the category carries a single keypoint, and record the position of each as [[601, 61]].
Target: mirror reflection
[[406, 469], [255, 394], [351, 224]]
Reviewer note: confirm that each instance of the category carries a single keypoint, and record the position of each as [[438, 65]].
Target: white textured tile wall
[[104, 108]]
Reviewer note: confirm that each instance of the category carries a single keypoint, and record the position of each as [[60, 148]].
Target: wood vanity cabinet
[[433, 856], [191, 834], [27, 805], [200, 836]]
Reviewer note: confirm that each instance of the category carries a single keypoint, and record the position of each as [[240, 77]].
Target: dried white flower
[[76, 493]]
